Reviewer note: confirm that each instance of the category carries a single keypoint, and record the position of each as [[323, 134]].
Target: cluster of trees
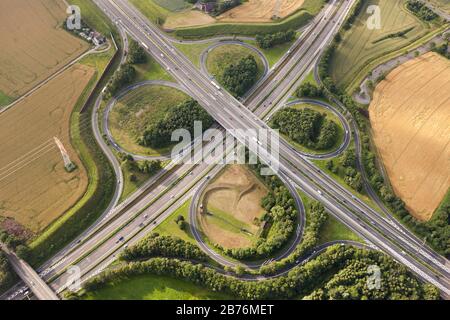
[[6, 273], [159, 135], [266, 41], [358, 6], [307, 127], [239, 78], [317, 218], [222, 6], [301, 281], [147, 167], [123, 77], [309, 90], [421, 10], [346, 168], [15, 244], [136, 54], [156, 245], [280, 214], [437, 229], [127, 73], [351, 282], [442, 50]]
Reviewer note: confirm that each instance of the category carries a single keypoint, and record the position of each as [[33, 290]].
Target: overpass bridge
[[38, 286]]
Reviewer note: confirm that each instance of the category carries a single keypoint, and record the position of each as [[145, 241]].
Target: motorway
[[29, 276], [94, 253], [231, 114]]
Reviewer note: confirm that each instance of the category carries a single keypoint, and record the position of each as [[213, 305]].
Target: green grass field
[[4, 100], [332, 229], [170, 228], [275, 53], [221, 57], [152, 11], [151, 70], [358, 47], [137, 110], [152, 287], [94, 17], [172, 5], [193, 51]]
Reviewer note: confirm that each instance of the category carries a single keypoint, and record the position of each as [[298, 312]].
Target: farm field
[[221, 57], [189, 23], [360, 45], [36, 189], [443, 4], [41, 46], [410, 117], [231, 205], [134, 112], [152, 287], [261, 11]]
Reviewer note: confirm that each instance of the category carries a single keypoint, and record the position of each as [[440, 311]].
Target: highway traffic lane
[[136, 229]]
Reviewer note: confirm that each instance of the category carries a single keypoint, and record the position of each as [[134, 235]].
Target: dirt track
[[410, 116]]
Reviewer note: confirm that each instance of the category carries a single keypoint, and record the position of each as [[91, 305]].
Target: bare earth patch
[[34, 44], [35, 188], [189, 18], [233, 200], [260, 10], [410, 117]]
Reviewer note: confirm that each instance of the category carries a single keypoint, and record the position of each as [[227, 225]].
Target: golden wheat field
[[260, 10], [410, 116], [34, 44], [35, 188]]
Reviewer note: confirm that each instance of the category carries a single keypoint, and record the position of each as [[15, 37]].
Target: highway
[[94, 253], [25, 272], [232, 115]]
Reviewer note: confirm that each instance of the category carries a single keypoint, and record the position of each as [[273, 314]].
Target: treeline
[[239, 78], [306, 127], [437, 229], [266, 41], [301, 281], [280, 214], [356, 10], [442, 50], [182, 116], [421, 10], [146, 167], [353, 280], [15, 244], [309, 90], [7, 277], [345, 167], [163, 246], [127, 73], [398, 34], [316, 219]]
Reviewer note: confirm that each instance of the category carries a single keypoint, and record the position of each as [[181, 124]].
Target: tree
[[239, 78], [136, 54]]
